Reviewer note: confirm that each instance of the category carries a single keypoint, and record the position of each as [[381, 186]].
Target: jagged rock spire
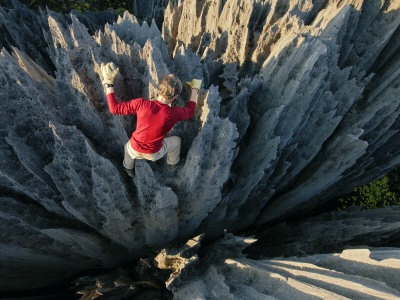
[[300, 103]]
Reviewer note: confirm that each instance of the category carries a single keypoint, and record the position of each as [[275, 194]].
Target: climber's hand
[[194, 84], [109, 71]]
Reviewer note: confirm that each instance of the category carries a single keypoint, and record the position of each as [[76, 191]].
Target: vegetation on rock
[[382, 192]]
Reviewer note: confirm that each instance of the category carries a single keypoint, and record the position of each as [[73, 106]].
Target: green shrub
[[372, 195]]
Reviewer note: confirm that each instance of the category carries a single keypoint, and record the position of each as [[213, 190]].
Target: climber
[[154, 119]]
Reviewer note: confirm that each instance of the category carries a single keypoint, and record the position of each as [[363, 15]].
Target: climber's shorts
[[171, 146]]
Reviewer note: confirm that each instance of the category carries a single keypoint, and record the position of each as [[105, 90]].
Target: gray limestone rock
[[329, 232], [300, 102], [223, 272], [319, 84]]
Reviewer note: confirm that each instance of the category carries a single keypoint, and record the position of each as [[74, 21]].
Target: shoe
[[130, 172], [172, 167]]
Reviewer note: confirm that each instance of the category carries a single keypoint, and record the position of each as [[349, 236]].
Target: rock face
[[224, 273], [300, 103], [330, 232], [322, 103], [220, 271]]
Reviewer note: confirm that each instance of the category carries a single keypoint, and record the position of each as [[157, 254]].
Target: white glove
[[109, 72], [194, 84]]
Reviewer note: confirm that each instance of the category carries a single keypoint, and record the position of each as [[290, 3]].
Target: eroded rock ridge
[[300, 103]]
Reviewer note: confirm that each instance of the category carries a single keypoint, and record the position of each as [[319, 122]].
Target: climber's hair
[[170, 86]]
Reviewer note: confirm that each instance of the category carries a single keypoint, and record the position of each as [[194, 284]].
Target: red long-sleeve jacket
[[154, 120]]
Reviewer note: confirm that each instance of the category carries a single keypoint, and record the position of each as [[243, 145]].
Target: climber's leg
[[172, 147], [129, 158]]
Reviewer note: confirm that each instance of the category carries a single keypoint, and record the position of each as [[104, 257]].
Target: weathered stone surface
[[142, 280], [63, 152], [300, 103], [324, 90], [329, 232], [223, 272], [28, 31]]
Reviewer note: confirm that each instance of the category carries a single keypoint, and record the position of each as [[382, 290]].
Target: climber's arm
[[188, 112], [195, 85], [193, 96], [185, 113], [109, 72], [124, 108], [115, 107], [110, 90]]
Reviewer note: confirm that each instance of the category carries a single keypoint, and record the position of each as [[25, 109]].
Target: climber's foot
[[130, 172]]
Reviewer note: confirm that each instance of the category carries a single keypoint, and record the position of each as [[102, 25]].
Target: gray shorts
[[171, 146]]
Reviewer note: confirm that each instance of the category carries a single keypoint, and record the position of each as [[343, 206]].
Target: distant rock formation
[[300, 103], [148, 10]]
